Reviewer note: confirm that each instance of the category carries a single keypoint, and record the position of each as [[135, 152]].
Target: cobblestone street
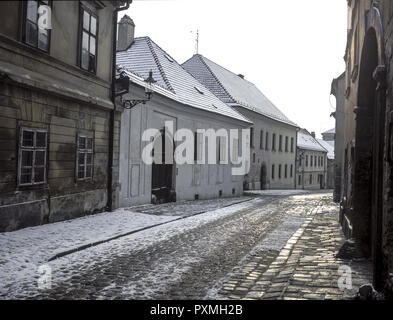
[[270, 247]]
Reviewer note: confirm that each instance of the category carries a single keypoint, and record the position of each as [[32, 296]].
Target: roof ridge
[[156, 59], [201, 58]]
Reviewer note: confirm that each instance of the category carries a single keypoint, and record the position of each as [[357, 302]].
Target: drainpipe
[[112, 112]]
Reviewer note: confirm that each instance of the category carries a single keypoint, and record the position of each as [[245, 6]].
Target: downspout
[[112, 112]]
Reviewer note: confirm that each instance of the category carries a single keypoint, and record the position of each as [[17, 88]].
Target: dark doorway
[[162, 171], [369, 143], [263, 176]]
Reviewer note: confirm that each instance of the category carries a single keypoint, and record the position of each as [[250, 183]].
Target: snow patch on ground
[[276, 192], [23, 251]]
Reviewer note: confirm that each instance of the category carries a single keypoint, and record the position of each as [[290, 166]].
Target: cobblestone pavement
[[306, 268], [271, 248]]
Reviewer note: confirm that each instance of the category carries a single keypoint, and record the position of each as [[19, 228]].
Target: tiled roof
[[306, 141], [330, 131], [329, 147], [172, 79], [233, 89]]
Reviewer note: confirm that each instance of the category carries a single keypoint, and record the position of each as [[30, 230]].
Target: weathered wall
[[338, 89], [267, 156], [189, 180], [50, 91]]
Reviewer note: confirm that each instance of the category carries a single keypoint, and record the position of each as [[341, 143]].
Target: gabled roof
[[306, 141], [173, 81], [329, 147], [233, 89]]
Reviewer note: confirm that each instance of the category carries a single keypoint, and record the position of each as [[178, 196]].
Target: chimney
[[313, 134], [241, 76], [126, 33]]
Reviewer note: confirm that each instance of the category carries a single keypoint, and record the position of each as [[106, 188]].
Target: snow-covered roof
[[329, 147], [330, 131], [233, 89], [306, 141], [173, 81]]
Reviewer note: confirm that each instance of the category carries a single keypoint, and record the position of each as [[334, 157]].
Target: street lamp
[[129, 104]]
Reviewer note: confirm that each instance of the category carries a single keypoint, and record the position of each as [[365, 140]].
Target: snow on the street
[[276, 192], [23, 251]]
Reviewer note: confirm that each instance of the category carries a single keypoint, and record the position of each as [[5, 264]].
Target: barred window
[[34, 36], [84, 157], [32, 156]]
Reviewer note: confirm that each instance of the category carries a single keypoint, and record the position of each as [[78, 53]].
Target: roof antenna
[[196, 41]]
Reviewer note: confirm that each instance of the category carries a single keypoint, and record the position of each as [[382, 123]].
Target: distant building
[[311, 162], [185, 102], [329, 135], [330, 170], [273, 135]]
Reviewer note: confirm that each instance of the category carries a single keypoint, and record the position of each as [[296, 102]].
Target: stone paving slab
[[306, 268]]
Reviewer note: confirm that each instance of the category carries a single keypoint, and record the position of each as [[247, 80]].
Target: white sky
[[291, 49]]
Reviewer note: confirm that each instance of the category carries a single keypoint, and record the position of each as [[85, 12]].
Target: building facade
[[330, 167], [367, 202], [311, 162], [55, 110], [338, 90], [273, 135], [184, 103]]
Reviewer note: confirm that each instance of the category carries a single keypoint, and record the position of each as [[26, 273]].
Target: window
[[292, 144], [267, 141], [310, 178], [306, 160], [322, 161], [315, 161], [286, 144], [280, 143], [279, 171], [311, 161], [32, 35], [222, 150], [273, 168], [286, 171], [235, 150], [261, 140], [252, 137], [300, 180], [32, 156], [198, 147], [88, 53], [274, 142], [253, 158], [84, 157], [291, 170]]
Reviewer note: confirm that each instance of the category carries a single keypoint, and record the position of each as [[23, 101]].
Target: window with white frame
[[32, 156], [84, 161]]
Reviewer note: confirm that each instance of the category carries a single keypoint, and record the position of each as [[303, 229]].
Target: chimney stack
[[313, 134], [126, 33], [241, 76]]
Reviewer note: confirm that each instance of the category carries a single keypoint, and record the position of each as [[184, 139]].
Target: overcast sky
[[290, 49]]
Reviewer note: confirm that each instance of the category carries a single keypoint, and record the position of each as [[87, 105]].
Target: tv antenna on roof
[[196, 41]]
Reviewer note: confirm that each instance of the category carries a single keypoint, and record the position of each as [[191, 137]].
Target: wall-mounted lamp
[[124, 81]]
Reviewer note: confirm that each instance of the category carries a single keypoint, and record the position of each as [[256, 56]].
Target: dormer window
[[88, 41], [169, 58], [199, 90]]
